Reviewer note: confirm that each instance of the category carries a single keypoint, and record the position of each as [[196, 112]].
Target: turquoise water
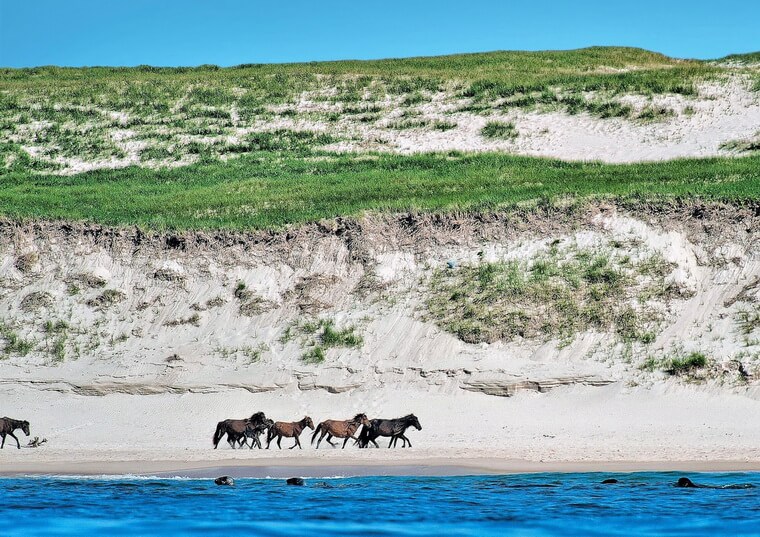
[[533, 504]]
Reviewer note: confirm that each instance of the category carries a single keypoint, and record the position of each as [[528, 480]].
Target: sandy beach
[[419, 464], [610, 428]]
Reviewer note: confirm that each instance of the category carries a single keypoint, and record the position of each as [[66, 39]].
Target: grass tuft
[[554, 295], [499, 130]]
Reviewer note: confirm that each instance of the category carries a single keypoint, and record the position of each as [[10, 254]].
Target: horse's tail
[[317, 429], [218, 434]]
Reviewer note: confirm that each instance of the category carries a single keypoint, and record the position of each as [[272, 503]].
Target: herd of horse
[[239, 432]]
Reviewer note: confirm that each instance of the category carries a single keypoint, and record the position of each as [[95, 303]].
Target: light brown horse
[[339, 429], [289, 429], [8, 425]]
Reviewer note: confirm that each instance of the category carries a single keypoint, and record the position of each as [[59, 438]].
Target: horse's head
[[267, 423], [412, 420], [307, 422], [258, 417], [25, 427], [362, 419]]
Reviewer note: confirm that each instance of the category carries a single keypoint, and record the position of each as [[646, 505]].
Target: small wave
[[304, 477], [111, 477]]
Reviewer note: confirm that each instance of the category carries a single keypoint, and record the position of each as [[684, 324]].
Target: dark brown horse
[[8, 425], [254, 432], [235, 429], [393, 428], [289, 429], [339, 429]]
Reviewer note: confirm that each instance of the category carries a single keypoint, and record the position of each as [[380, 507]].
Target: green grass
[[553, 295], [73, 112], [748, 320], [286, 177], [743, 146], [13, 343], [499, 130], [319, 335], [332, 337], [655, 113], [256, 192], [686, 364], [314, 355], [677, 364]]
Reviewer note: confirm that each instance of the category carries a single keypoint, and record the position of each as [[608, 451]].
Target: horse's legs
[[329, 437], [3, 444], [346, 440], [18, 444], [298, 443], [321, 436], [279, 438], [405, 440]]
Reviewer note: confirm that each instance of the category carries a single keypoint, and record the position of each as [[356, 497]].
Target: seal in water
[[686, 483], [225, 480], [295, 481], [609, 481]]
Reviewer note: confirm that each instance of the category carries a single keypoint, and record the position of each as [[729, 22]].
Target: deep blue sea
[[532, 504]]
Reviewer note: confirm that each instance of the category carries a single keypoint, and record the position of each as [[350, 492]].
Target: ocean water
[[532, 504]]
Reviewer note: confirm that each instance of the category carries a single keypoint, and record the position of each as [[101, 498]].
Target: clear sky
[[230, 32]]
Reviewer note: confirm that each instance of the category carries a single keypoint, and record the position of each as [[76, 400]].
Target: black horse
[[8, 425], [393, 428], [236, 429]]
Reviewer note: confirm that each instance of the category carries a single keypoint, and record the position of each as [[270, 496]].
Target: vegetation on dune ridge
[[53, 118], [211, 147], [470, 65], [252, 192]]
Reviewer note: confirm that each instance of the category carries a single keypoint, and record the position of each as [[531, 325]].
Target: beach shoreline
[[348, 466]]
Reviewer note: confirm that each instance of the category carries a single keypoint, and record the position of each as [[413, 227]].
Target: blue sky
[[230, 32]]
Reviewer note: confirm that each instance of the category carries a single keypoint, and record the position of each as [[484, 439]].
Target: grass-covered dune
[[261, 193], [237, 147]]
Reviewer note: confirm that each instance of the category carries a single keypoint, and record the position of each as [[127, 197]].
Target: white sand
[[612, 427]]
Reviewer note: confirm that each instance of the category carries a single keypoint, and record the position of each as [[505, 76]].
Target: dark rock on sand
[[225, 480], [295, 481]]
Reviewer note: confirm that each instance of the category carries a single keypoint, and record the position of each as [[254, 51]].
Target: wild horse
[[393, 428], [339, 429], [290, 430], [8, 425]]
